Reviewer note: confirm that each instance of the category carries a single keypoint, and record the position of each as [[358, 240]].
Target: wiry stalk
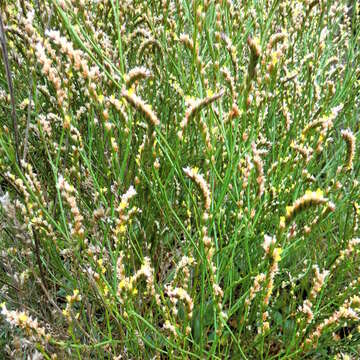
[[11, 89]]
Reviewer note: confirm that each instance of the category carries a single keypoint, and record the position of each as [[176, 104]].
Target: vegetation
[[179, 179]]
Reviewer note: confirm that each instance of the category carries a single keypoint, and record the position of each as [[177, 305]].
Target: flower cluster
[[24, 321]]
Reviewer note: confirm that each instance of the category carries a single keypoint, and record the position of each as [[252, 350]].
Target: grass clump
[[179, 179]]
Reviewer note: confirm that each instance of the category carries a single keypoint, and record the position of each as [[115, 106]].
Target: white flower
[[5, 201]]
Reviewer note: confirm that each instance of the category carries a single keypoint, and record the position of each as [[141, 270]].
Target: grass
[[179, 180]]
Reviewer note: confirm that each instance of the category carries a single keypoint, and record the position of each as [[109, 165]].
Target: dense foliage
[[179, 179]]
